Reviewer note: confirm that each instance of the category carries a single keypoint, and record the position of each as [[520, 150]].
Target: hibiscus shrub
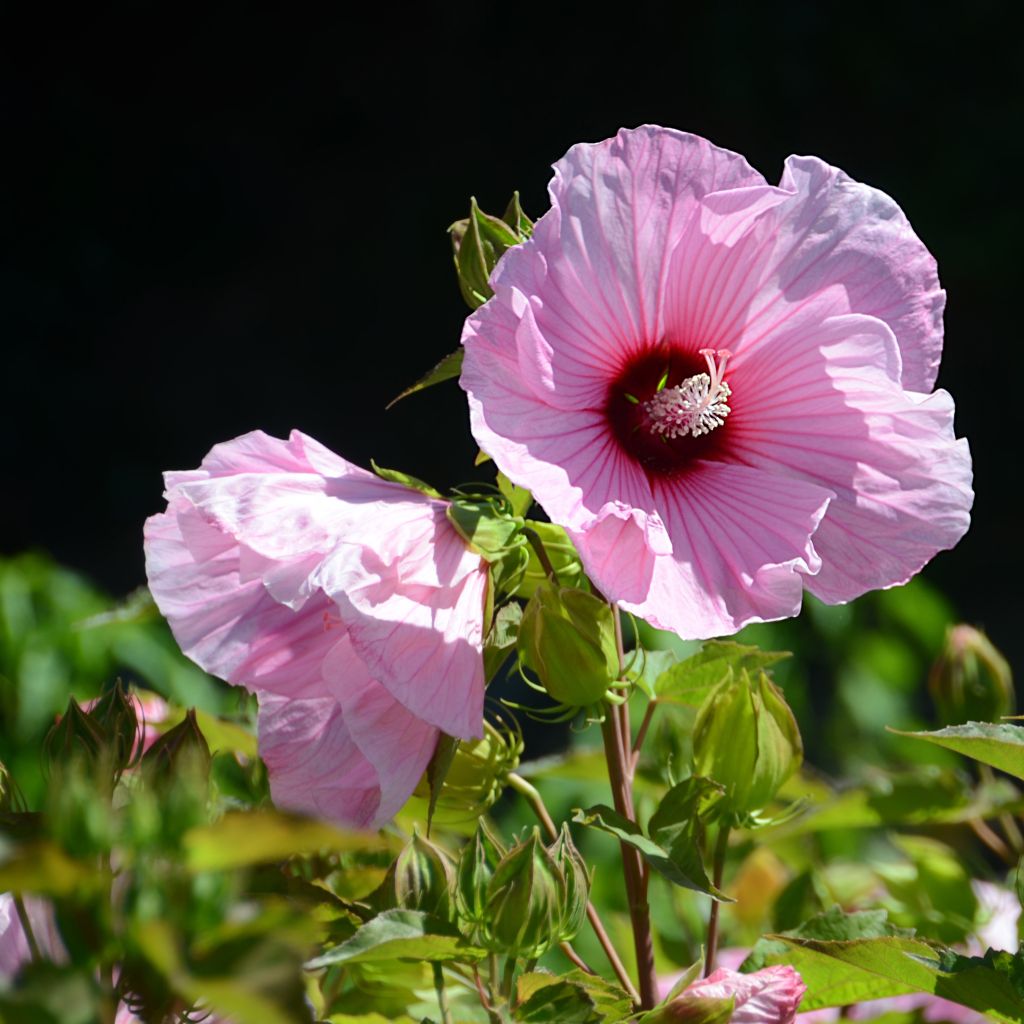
[[696, 395]]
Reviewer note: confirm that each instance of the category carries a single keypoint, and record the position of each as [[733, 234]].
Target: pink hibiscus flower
[[720, 387], [348, 603], [768, 996]]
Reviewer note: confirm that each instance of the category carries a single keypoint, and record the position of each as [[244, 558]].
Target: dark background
[[235, 219]]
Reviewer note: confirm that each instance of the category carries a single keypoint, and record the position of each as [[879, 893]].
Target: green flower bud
[[479, 241], [567, 639], [116, 716], [576, 884], [489, 528], [480, 857], [183, 747], [75, 736], [423, 878], [971, 681], [478, 773], [524, 901], [746, 739]]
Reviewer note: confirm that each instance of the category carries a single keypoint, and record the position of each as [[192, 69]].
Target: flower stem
[[636, 889], [718, 869], [641, 733], [26, 927], [541, 552], [536, 802], [442, 994]]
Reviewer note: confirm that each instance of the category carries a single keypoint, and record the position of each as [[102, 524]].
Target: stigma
[[696, 405]]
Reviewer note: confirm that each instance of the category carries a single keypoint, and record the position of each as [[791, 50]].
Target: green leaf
[[558, 1002], [399, 935], [841, 973], [243, 838], [396, 476], [43, 868], [690, 681], [446, 369], [679, 866], [1001, 746], [834, 925]]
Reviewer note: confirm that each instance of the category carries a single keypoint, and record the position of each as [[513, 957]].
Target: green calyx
[[422, 878], [567, 639], [479, 241], [536, 897], [746, 739]]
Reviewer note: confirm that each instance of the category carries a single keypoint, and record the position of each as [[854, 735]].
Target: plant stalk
[[721, 845], [442, 994], [636, 889], [26, 927]]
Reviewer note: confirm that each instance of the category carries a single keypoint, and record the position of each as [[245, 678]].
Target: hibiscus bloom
[[720, 387], [348, 603], [768, 996]]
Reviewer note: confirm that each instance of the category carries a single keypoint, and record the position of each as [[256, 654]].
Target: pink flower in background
[[348, 603], [768, 996], [721, 387]]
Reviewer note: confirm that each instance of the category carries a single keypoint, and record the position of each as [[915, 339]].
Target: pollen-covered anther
[[696, 405]]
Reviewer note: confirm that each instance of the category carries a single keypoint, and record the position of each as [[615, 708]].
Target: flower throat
[[669, 405]]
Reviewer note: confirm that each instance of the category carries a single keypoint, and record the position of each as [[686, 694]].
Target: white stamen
[[697, 405]]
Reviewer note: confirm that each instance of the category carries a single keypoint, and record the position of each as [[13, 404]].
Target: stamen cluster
[[695, 406]]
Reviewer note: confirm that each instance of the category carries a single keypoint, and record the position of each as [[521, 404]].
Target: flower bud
[[576, 884], [524, 901], [567, 639], [971, 681], [480, 857], [116, 716], [184, 747], [74, 736], [746, 739], [478, 773], [479, 241], [422, 878]]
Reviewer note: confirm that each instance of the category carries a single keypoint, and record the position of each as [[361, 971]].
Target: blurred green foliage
[[59, 637]]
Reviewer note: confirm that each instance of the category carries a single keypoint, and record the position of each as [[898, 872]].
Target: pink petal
[[741, 547], [821, 401], [575, 467], [354, 756], [230, 628], [768, 996], [314, 765], [420, 630], [14, 950], [838, 236], [260, 554]]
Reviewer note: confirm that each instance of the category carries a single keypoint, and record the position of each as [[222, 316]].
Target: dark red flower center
[[669, 406]]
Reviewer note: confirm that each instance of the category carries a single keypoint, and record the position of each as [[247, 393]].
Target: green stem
[[721, 845], [26, 927], [536, 802], [508, 978], [442, 994], [541, 552]]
